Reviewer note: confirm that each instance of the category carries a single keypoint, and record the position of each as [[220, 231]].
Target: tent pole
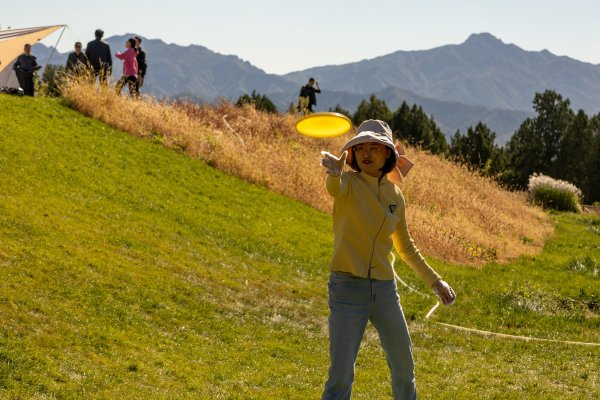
[[58, 40]]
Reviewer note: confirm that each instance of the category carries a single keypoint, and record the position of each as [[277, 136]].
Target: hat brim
[[403, 163], [366, 137]]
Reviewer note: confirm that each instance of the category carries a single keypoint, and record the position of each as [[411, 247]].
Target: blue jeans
[[353, 302]]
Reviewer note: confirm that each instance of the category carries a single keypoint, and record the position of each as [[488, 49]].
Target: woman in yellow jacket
[[368, 218]]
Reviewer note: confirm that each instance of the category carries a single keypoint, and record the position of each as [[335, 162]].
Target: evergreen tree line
[[260, 102], [557, 142]]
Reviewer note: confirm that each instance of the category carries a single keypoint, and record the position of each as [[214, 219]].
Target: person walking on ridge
[[130, 68], [99, 56], [77, 61], [24, 67], [368, 218], [307, 98], [142, 66]]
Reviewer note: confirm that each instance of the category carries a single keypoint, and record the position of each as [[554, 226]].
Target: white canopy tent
[[11, 45]]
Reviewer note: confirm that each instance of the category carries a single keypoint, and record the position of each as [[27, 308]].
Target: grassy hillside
[[455, 214], [129, 271]]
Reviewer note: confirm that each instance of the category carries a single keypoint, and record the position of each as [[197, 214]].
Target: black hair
[[132, 42], [77, 44], [354, 163], [311, 79], [390, 163], [388, 166], [138, 38], [99, 33]]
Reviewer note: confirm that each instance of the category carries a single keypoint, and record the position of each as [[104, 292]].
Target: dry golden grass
[[472, 219], [454, 214]]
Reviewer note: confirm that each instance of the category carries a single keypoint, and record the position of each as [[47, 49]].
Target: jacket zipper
[[379, 230]]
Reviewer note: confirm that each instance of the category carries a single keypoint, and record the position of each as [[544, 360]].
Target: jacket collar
[[372, 180]]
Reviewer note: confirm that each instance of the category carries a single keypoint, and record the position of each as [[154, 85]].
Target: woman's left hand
[[444, 292]]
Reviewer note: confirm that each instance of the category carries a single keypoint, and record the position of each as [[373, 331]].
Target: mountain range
[[483, 71], [481, 79]]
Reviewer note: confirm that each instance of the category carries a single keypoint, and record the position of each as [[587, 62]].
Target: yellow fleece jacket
[[368, 217]]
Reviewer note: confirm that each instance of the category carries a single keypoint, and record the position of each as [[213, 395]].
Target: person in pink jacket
[[130, 67]]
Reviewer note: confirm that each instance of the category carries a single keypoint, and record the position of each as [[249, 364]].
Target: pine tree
[[260, 102], [417, 128], [524, 153], [401, 122], [340, 110], [536, 145], [592, 167], [373, 108], [574, 153], [476, 148], [554, 115]]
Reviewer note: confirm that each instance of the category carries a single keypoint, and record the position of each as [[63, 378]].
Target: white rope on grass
[[432, 310], [410, 288], [406, 285], [482, 332], [508, 336], [233, 130]]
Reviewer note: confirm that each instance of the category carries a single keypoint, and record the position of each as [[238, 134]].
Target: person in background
[[98, 54], [130, 68], [368, 219], [142, 66], [24, 67], [77, 61], [308, 98]]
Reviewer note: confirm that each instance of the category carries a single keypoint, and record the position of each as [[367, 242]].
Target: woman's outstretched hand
[[444, 292], [333, 164]]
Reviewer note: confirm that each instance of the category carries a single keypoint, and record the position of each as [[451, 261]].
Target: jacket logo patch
[[393, 208]]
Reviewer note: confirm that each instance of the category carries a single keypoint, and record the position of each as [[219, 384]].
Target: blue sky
[[283, 36]]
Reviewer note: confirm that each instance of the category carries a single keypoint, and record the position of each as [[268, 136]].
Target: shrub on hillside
[[554, 193], [340, 110], [51, 80], [260, 102]]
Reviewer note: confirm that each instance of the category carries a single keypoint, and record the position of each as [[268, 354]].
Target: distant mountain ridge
[[459, 85], [481, 71], [195, 70]]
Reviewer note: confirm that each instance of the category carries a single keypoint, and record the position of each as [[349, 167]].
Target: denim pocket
[[345, 289], [341, 277]]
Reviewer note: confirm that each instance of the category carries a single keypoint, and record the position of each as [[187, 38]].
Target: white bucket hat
[[376, 131]]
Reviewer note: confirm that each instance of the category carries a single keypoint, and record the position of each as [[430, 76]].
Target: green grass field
[[132, 272]]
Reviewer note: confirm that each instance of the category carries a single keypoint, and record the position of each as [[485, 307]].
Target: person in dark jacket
[[307, 98], [98, 54], [24, 67], [77, 62], [142, 66]]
